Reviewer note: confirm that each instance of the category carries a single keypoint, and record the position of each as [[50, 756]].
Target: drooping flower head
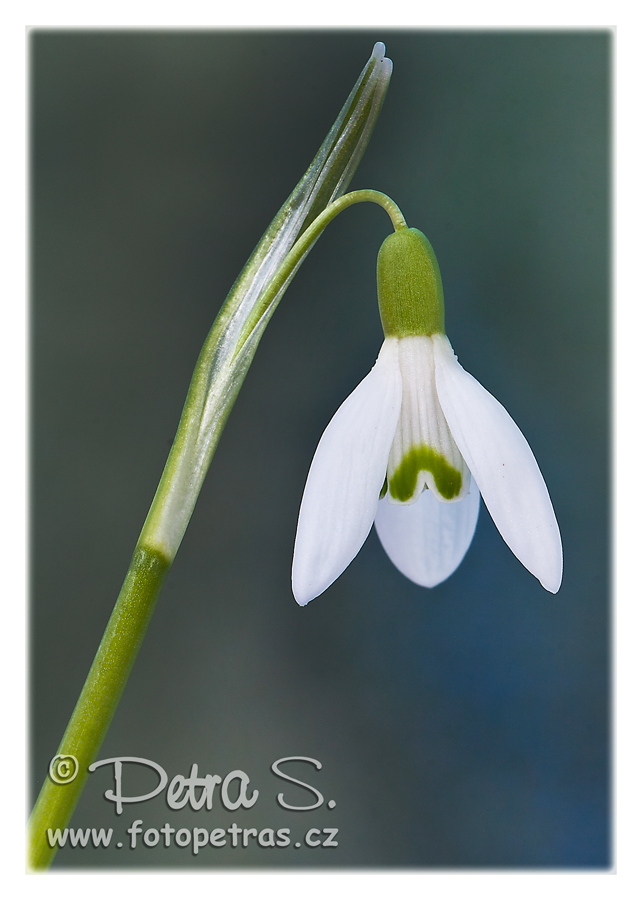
[[412, 448]]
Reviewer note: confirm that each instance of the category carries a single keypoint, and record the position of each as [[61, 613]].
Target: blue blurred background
[[466, 726]]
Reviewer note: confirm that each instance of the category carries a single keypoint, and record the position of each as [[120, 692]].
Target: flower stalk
[[218, 376]]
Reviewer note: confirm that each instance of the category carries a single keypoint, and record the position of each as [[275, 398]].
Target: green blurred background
[[467, 726]]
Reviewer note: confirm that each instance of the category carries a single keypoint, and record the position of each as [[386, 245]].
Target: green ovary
[[402, 484]]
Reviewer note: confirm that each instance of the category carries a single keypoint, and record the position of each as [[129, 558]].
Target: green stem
[[99, 698], [288, 267], [213, 390], [221, 367]]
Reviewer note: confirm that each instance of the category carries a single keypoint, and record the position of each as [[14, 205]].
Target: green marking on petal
[[418, 459]]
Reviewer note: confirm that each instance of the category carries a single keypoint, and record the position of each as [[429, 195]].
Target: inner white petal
[[427, 540], [423, 452]]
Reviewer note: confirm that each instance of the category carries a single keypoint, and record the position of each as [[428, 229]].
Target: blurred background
[[464, 726]]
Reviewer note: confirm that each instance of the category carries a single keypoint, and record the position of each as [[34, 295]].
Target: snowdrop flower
[[412, 448]]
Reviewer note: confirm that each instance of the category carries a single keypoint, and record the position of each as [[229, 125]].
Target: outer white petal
[[345, 478], [503, 466], [427, 540]]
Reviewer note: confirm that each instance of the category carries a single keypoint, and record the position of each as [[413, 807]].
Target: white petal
[[423, 452], [427, 540], [503, 466], [345, 478]]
